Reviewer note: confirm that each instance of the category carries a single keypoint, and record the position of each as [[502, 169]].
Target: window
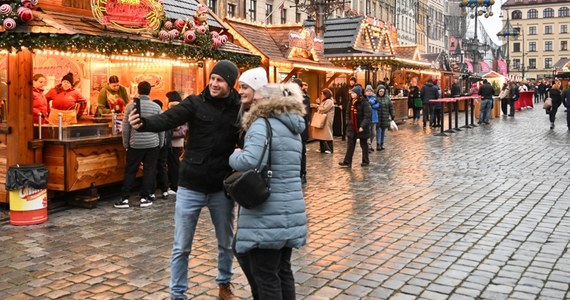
[[564, 12], [268, 13], [532, 30], [563, 45], [564, 28], [283, 16], [298, 17], [548, 13], [531, 63], [548, 46], [252, 8], [548, 63], [548, 29], [231, 10], [213, 4], [516, 63], [532, 14], [516, 15], [516, 47], [531, 46]]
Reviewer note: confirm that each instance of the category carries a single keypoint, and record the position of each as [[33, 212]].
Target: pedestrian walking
[[486, 92], [385, 115], [212, 134], [357, 124], [370, 95], [556, 95], [142, 147], [267, 234], [161, 181], [177, 145], [415, 100], [325, 135], [513, 97]]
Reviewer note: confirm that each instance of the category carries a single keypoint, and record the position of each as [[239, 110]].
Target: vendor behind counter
[[66, 100], [113, 96]]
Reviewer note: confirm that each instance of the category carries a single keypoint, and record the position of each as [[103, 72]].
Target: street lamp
[[507, 32], [474, 9]]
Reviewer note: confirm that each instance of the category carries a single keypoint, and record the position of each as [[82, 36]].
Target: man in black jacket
[[486, 92], [213, 134], [429, 91]]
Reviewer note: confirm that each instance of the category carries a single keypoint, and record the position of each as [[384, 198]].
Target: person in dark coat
[[358, 116], [385, 115], [486, 92], [305, 134], [429, 91], [455, 89], [414, 100], [212, 134], [513, 96], [566, 102], [556, 95]]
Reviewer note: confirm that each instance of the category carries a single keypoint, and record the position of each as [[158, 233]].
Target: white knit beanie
[[254, 78]]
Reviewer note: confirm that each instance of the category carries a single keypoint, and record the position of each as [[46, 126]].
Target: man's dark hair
[[430, 80], [158, 102], [298, 82], [485, 81], [144, 88], [113, 79]]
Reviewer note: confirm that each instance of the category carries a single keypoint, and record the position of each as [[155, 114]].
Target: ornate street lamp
[[507, 32], [475, 9]]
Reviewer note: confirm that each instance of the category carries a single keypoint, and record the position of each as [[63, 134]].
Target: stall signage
[[129, 15], [305, 43]]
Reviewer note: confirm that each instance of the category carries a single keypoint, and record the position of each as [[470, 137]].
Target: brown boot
[[226, 292]]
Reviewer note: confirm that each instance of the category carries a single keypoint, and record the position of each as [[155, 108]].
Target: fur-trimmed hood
[[289, 110]]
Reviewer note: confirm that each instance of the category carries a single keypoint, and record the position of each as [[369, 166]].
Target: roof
[[272, 41], [182, 9], [340, 34], [518, 3], [561, 63], [58, 22]]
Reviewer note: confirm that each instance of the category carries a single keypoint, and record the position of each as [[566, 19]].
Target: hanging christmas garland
[[15, 12], [108, 45]]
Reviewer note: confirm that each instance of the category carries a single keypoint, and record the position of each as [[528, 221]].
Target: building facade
[[406, 21], [436, 37], [543, 36]]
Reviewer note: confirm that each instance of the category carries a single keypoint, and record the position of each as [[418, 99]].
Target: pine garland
[[111, 45]]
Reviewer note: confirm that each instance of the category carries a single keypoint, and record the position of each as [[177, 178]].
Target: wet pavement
[[480, 214]]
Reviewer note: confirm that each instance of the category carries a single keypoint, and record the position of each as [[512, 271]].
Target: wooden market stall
[[288, 51], [167, 43]]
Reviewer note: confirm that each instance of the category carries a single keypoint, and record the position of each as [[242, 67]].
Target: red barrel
[[28, 206]]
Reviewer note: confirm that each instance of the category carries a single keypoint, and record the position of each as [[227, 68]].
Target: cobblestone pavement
[[480, 214]]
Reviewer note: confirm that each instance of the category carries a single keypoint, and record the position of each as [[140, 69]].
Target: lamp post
[[507, 32], [474, 9]]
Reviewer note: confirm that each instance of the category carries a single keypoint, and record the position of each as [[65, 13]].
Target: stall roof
[[57, 22], [272, 41], [561, 63], [182, 9]]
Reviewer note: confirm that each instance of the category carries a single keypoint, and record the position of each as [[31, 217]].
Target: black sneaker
[[145, 202], [122, 203]]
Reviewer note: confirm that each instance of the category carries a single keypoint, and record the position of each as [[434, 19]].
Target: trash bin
[[27, 194]]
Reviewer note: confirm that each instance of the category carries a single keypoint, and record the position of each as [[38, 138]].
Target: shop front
[[170, 44]]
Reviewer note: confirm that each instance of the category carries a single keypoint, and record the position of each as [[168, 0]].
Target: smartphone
[[138, 106]]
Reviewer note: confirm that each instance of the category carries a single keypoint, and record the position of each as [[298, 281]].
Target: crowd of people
[[189, 148]]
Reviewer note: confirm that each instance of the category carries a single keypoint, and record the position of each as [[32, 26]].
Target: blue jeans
[[485, 111], [189, 203], [381, 134]]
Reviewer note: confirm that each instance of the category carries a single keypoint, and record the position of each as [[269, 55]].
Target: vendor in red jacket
[[39, 102], [65, 97]]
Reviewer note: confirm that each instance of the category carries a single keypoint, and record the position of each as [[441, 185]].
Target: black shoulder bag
[[251, 188]]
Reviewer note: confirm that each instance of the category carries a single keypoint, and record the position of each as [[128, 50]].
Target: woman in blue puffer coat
[[266, 234]]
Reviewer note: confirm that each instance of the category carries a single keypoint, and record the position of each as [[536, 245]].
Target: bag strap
[[268, 139]]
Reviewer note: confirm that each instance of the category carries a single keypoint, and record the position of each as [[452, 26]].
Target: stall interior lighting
[[127, 60]]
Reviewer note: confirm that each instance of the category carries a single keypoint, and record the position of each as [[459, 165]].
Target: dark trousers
[[162, 169], [174, 166], [351, 145], [416, 111], [508, 102], [304, 159], [149, 158], [326, 145], [553, 111], [269, 273], [427, 112]]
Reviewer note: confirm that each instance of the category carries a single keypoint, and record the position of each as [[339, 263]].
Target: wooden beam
[[19, 108], [328, 83], [290, 75]]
